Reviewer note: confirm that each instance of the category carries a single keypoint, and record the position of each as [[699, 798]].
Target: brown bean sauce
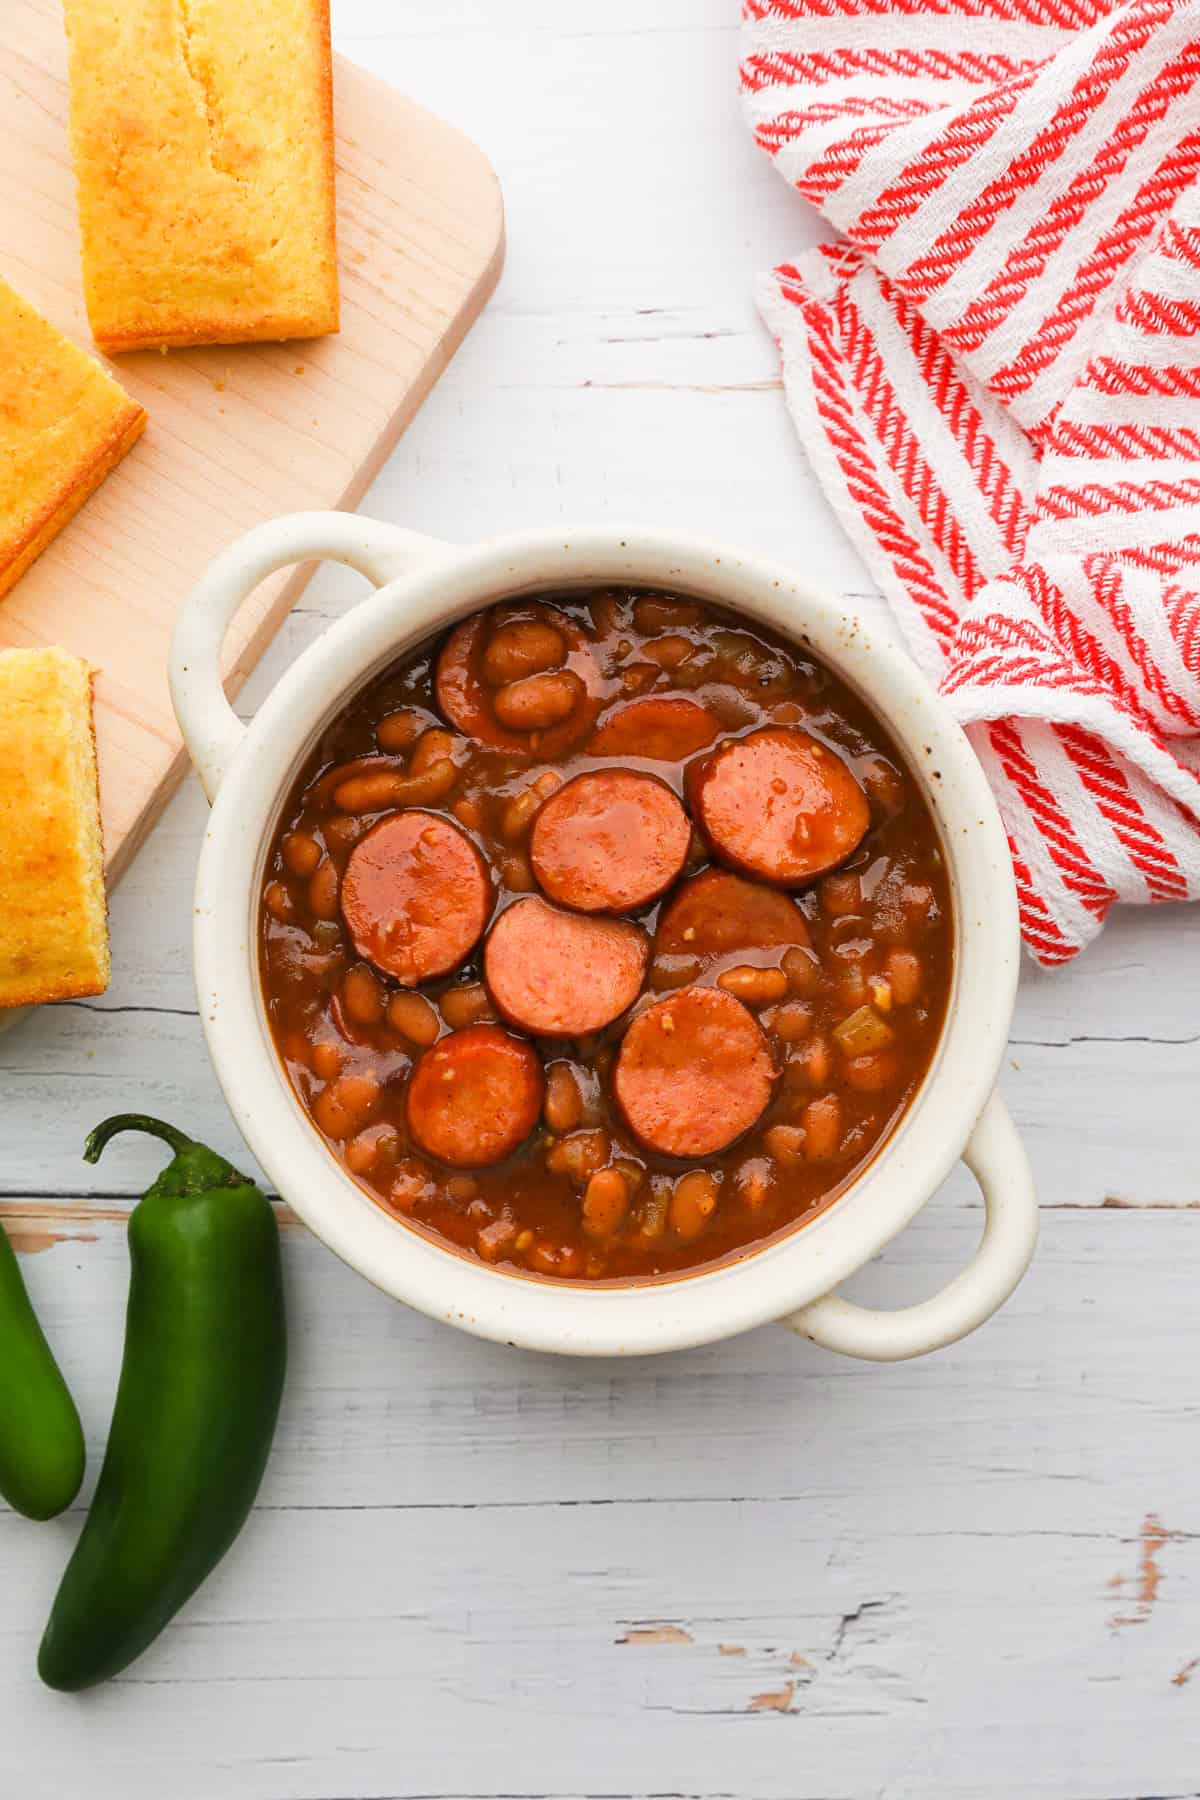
[[850, 1000]]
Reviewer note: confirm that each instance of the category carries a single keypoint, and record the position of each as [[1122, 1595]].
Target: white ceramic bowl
[[424, 586]]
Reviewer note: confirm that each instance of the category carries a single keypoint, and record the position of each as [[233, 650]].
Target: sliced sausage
[[415, 896], [659, 729], [474, 1097], [556, 974], [716, 913], [694, 1072], [609, 841], [519, 677], [779, 805]]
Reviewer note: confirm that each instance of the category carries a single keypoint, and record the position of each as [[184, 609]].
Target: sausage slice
[[519, 677], [716, 913], [659, 729], [474, 1097], [694, 1072], [609, 841], [415, 896], [556, 974], [779, 805]]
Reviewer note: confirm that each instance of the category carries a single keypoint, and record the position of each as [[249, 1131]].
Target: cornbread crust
[[53, 921], [202, 136], [64, 425]]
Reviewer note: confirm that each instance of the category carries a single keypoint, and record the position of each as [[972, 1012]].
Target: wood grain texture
[[475, 1573], [240, 433]]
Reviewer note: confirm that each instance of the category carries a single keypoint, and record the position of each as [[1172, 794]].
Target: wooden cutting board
[[236, 435]]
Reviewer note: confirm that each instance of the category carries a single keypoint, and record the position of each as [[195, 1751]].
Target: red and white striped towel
[[997, 379]]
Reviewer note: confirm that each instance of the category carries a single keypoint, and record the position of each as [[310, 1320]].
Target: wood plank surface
[[476, 1573], [237, 434]]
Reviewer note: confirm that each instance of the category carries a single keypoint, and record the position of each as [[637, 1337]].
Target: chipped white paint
[[753, 1571]]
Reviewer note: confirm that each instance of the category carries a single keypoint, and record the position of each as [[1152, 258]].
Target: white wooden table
[[748, 1571]]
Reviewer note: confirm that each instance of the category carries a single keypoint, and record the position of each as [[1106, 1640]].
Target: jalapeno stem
[[178, 1140]]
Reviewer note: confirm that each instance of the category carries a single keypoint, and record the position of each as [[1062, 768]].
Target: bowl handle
[[211, 729], [995, 1156]]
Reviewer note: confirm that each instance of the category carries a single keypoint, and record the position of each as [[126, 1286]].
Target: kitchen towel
[[996, 376]]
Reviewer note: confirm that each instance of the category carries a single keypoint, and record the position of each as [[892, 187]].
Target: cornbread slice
[[53, 921], [202, 134], [64, 424]]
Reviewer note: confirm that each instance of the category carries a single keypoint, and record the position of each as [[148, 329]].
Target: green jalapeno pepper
[[201, 1380], [41, 1439]]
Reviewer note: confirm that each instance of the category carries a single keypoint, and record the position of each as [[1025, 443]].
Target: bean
[[468, 812], [294, 1047], [326, 1059], [652, 1213], [370, 793], [637, 677], [346, 1105], [413, 1017], [884, 786], [279, 902], [693, 1204], [562, 1108], [301, 853], [852, 985], [516, 873], [840, 895], [881, 993], [556, 1259], [668, 652], [580, 1155], [753, 1182], [785, 1144], [608, 613], [397, 730], [653, 613], [362, 997], [695, 671], [803, 971], [673, 971], [754, 987], [323, 892], [538, 701], [386, 788], [468, 1005], [517, 816], [822, 1121], [408, 1185], [633, 1172], [321, 792], [342, 832], [367, 1149], [872, 1073], [741, 656], [605, 1203], [903, 971], [791, 1023], [810, 1064], [433, 746], [497, 1239], [431, 784], [516, 651]]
